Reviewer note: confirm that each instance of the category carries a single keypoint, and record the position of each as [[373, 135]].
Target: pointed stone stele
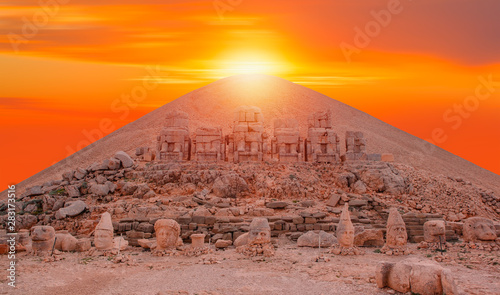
[[345, 235], [103, 235]]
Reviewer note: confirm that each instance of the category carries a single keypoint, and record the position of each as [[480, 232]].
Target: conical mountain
[[214, 105]]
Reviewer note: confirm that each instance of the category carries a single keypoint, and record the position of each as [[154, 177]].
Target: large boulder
[[312, 239], [383, 179], [125, 159], [229, 186], [99, 189], [71, 210]]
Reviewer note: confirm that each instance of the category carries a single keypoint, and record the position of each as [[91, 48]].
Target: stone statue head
[[396, 229], [260, 231], [167, 233], [345, 229], [103, 234], [479, 228], [43, 238], [434, 231]]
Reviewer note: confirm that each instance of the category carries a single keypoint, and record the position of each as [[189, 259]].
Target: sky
[[69, 68]]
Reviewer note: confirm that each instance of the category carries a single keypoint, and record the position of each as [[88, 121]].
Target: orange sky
[[68, 67]]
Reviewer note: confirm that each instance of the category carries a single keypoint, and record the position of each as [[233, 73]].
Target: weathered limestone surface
[[286, 143], [247, 141], [322, 143], [174, 142], [209, 144]]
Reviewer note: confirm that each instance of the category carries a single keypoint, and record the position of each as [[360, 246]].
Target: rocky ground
[[220, 200], [292, 270]]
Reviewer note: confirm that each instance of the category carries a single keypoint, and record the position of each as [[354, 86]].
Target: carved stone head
[[43, 238], [479, 228], [167, 233], [434, 231], [345, 229], [396, 229], [103, 235], [260, 231]]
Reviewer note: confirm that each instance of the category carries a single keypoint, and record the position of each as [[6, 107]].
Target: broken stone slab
[[73, 191], [124, 158], [333, 201], [99, 189], [277, 205], [80, 173], [358, 203], [72, 210], [146, 243]]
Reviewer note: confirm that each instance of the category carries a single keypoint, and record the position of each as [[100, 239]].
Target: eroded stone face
[[345, 229], [260, 231], [434, 231], [479, 229], [103, 235], [43, 238], [396, 229], [167, 233]]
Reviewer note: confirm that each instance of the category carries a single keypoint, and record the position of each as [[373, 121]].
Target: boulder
[[80, 173], [73, 209], [229, 186], [241, 240], [99, 189], [120, 243], [141, 190], [311, 239], [369, 237], [73, 191], [221, 244], [359, 187], [129, 188], [125, 159]]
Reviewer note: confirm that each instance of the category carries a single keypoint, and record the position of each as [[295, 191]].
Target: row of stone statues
[[250, 142], [258, 239]]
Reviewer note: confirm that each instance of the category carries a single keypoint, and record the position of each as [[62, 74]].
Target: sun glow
[[250, 62]]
